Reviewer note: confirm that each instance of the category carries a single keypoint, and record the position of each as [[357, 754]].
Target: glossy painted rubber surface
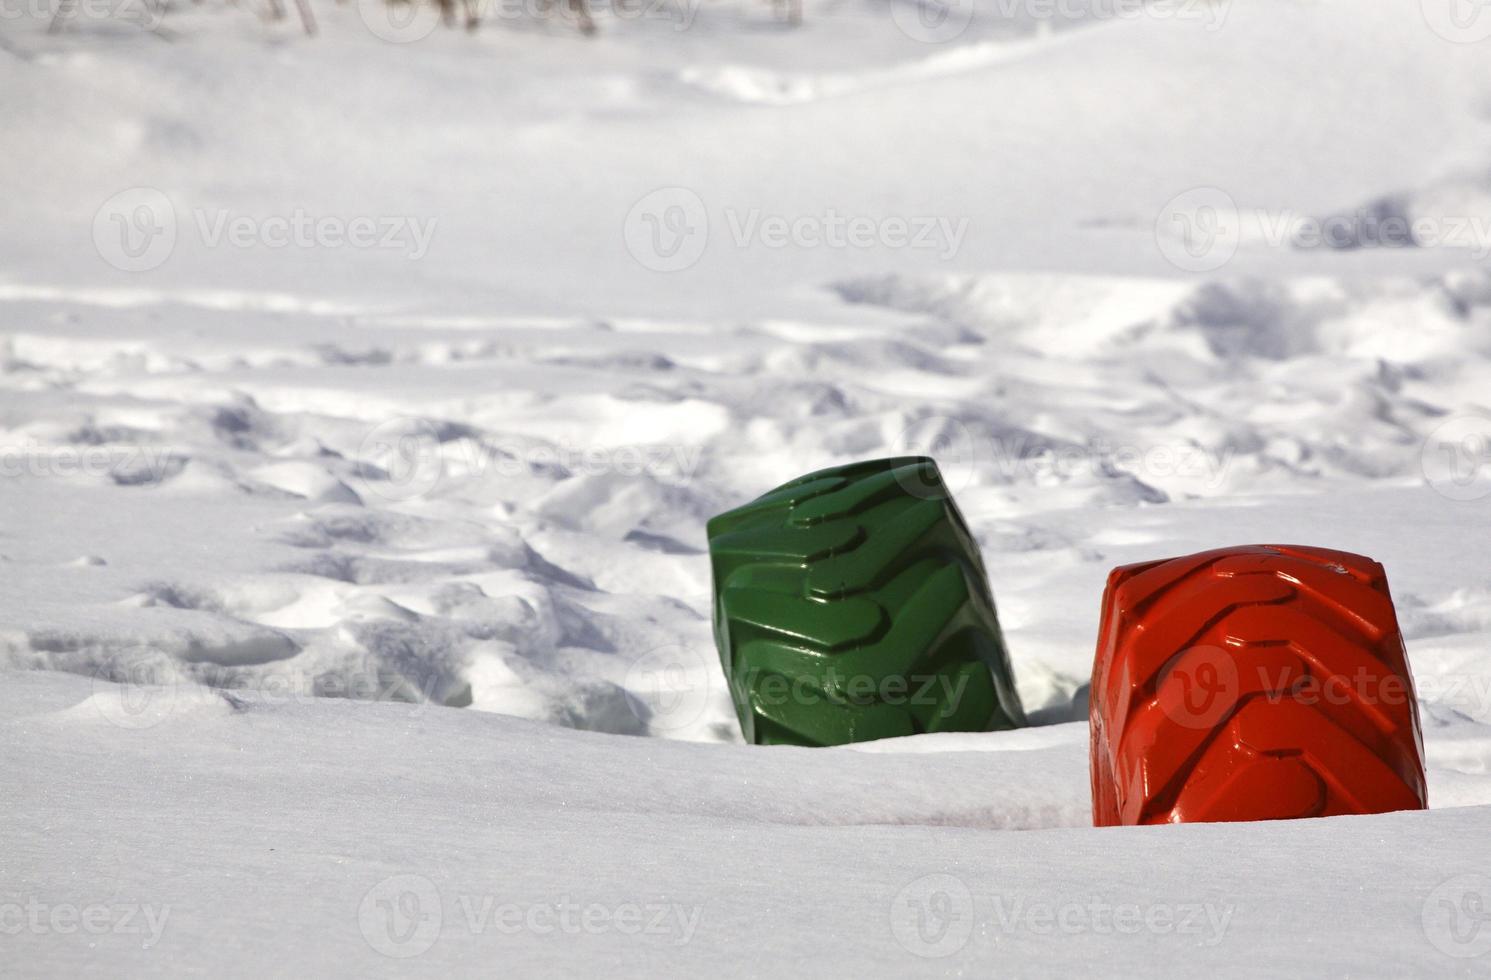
[[851, 604], [1252, 683]]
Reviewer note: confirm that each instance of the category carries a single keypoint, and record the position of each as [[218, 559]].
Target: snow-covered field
[[362, 403]]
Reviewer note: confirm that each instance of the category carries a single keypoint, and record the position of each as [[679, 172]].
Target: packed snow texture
[[332, 576]]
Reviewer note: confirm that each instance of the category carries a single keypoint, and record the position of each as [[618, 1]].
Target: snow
[[354, 613], [347, 837]]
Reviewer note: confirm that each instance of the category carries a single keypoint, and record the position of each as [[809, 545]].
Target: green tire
[[851, 605]]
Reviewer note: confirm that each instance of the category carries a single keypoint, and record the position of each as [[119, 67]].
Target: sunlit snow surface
[[314, 557]]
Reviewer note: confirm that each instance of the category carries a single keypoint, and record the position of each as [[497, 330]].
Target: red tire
[[1252, 683]]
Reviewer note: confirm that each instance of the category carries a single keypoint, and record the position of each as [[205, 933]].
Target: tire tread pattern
[[851, 585], [1252, 683]]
